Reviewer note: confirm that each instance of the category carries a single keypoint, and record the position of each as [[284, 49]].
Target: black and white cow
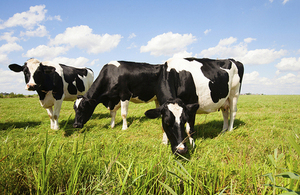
[[202, 86], [54, 83], [118, 83]]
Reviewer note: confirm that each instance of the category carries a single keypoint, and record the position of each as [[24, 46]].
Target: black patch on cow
[[47, 79], [184, 86], [218, 77], [71, 77]]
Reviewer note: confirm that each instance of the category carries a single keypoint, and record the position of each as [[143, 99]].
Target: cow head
[[175, 114], [84, 109], [34, 71]]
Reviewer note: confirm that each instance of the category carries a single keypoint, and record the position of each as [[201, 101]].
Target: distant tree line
[[14, 95]]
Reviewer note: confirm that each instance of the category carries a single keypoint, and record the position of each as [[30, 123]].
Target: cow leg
[[113, 115], [190, 129], [124, 112], [165, 139], [233, 109], [225, 119], [57, 107], [50, 114]]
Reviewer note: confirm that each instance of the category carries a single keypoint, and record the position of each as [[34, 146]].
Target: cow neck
[[166, 86]]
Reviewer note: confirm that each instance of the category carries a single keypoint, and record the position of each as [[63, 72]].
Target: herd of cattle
[[181, 88]]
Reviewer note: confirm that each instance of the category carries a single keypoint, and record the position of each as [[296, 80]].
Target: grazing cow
[[213, 84], [118, 83], [54, 83]]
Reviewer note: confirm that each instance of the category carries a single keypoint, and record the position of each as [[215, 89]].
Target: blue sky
[[262, 34]]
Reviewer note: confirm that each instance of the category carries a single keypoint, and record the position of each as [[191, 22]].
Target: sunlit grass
[[101, 160]]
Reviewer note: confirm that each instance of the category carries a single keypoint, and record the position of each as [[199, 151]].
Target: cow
[[54, 83], [118, 83], [122, 81], [193, 85]]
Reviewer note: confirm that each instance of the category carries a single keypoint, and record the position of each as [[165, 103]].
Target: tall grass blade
[[289, 175], [294, 144], [168, 188]]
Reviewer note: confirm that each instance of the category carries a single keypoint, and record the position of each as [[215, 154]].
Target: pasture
[[99, 160]]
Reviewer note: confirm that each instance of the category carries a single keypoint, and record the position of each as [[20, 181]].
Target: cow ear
[[47, 69], [153, 113], [192, 108], [16, 67]]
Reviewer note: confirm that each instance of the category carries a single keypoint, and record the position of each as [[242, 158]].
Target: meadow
[[99, 160]]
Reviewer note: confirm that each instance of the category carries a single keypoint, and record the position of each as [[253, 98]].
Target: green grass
[[99, 160]]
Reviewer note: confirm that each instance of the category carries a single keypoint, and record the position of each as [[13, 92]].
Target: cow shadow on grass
[[67, 125], [13, 125], [209, 130], [212, 129]]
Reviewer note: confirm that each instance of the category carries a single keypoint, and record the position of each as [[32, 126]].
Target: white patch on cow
[[116, 63], [77, 102], [32, 65], [180, 146], [176, 110]]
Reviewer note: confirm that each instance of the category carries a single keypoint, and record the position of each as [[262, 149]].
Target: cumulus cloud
[[254, 78], [83, 38], [285, 1], [288, 79], [45, 52], [289, 64], [27, 19], [39, 32], [7, 36], [207, 31], [183, 54], [75, 62], [249, 40], [9, 47], [229, 48], [168, 44], [132, 35]]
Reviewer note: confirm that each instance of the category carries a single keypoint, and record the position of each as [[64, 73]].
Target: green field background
[[99, 160]]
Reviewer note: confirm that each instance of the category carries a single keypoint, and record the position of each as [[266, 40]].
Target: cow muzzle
[[76, 125], [30, 87], [181, 149]]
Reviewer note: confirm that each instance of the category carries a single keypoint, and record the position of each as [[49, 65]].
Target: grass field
[[101, 160]]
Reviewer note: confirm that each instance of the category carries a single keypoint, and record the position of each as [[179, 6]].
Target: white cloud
[[75, 62], [83, 38], [289, 79], [39, 32], [9, 47], [45, 52], [229, 48], [289, 64], [249, 40], [7, 36], [254, 78], [207, 31], [168, 44], [227, 41], [132, 35], [261, 56], [285, 1], [132, 45], [27, 19], [4, 59], [183, 54]]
